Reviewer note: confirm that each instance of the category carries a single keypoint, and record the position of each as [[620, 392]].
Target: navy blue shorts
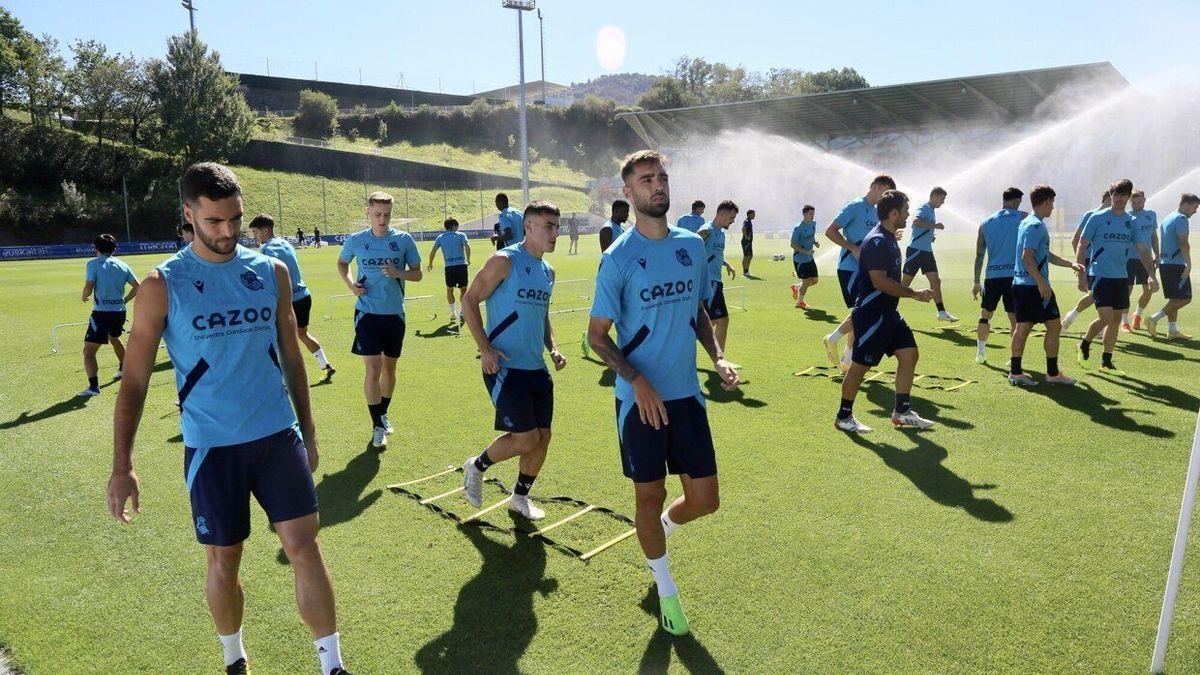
[[456, 276], [878, 335], [684, 446], [104, 325], [916, 260], [1175, 284], [220, 481], [997, 290], [1136, 272], [376, 334], [302, 308], [1108, 292], [846, 280], [747, 247], [1031, 307], [716, 304], [524, 399], [806, 270]]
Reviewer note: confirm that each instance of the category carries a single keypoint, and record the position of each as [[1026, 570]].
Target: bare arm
[[88, 287], [885, 284], [134, 286], [602, 343], [467, 251], [1029, 260], [1154, 244], [606, 237], [1186, 251], [925, 224], [482, 286], [433, 254], [980, 252], [834, 234], [556, 356], [344, 274], [292, 362]]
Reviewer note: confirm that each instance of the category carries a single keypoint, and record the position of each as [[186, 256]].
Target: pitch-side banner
[[45, 251]]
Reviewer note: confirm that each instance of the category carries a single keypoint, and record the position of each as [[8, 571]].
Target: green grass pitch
[[1028, 532]]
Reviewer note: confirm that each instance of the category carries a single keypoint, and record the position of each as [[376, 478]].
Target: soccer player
[[573, 231], [1032, 294], [226, 315], [106, 277], [651, 284], [516, 283], [1108, 236], [919, 256], [747, 242], [299, 237], [317, 237], [457, 252], [614, 226], [713, 235], [1086, 301], [998, 241], [512, 224], [1174, 266], [386, 259], [847, 230], [263, 229], [694, 220], [186, 234], [1145, 224], [804, 242], [879, 329]]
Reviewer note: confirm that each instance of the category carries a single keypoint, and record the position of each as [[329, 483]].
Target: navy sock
[[376, 410], [482, 462], [385, 401], [846, 410], [1052, 365], [1015, 367], [1106, 359], [941, 307], [902, 403], [1086, 348], [93, 383], [524, 482]]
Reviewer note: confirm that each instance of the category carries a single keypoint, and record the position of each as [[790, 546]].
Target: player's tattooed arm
[[292, 363], [602, 343], [980, 250], [708, 339]]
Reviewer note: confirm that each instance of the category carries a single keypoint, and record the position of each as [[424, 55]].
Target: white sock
[[329, 650], [669, 525], [834, 337], [1125, 317], [1158, 316], [452, 312], [232, 644], [1070, 316], [662, 577], [981, 345], [321, 360], [1138, 311], [846, 353], [1172, 326]]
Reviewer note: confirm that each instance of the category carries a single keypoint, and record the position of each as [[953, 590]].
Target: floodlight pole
[[542, 46], [522, 6], [1176, 570], [191, 8]]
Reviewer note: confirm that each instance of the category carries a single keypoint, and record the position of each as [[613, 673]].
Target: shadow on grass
[[956, 337], [494, 622], [922, 465], [444, 330], [692, 655], [608, 378], [340, 495], [1154, 392], [69, 405], [1103, 410], [883, 395], [713, 391], [1151, 351], [813, 314]]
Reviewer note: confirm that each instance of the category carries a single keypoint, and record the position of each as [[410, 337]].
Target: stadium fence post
[[1175, 572], [324, 208], [279, 202]]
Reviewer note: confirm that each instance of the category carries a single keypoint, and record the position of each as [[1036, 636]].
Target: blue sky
[[466, 45]]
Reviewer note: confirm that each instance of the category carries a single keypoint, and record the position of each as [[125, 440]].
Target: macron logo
[[199, 284], [642, 262]]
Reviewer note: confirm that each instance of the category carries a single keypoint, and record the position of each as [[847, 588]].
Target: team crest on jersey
[[682, 256], [252, 281], [394, 246]]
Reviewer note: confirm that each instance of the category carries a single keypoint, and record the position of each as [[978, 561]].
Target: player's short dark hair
[[634, 158], [208, 179], [620, 204], [808, 208], [187, 227], [1188, 198], [450, 224], [501, 200], [1106, 194], [937, 191], [727, 205], [1012, 193], [105, 243], [890, 201], [750, 212], [1138, 192], [263, 221], [379, 197], [1121, 187], [1040, 194], [884, 180], [697, 205], [540, 207]]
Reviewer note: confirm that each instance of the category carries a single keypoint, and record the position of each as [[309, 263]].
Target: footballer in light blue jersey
[[386, 259], [997, 241], [105, 279], [516, 284], [713, 235], [512, 222], [693, 221], [651, 286], [1175, 265], [263, 229], [1145, 232], [457, 253], [804, 244], [919, 258], [1086, 300], [225, 313]]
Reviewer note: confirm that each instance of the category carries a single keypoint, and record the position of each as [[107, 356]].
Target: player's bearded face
[[650, 192], [217, 223]]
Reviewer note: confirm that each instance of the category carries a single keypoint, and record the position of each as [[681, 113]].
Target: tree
[[317, 116], [138, 107], [11, 32], [204, 116], [40, 80], [96, 84], [667, 92]]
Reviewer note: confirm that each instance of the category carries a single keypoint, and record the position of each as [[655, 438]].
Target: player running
[[694, 220], [457, 251], [516, 283], [847, 230], [747, 242], [512, 225], [1032, 294], [804, 243], [713, 235], [226, 315], [919, 256], [998, 240], [1145, 222], [651, 285], [614, 226], [104, 282], [879, 328], [1109, 236], [263, 229], [386, 259], [1175, 266], [1086, 301]]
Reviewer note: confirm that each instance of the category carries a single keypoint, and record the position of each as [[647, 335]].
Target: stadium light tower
[[522, 6], [191, 8], [542, 47]]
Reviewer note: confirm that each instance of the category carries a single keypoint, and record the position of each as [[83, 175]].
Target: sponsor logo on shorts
[[201, 525], [508, 422]]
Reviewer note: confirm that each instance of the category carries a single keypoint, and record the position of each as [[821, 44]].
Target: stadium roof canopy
[[986, 101]]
